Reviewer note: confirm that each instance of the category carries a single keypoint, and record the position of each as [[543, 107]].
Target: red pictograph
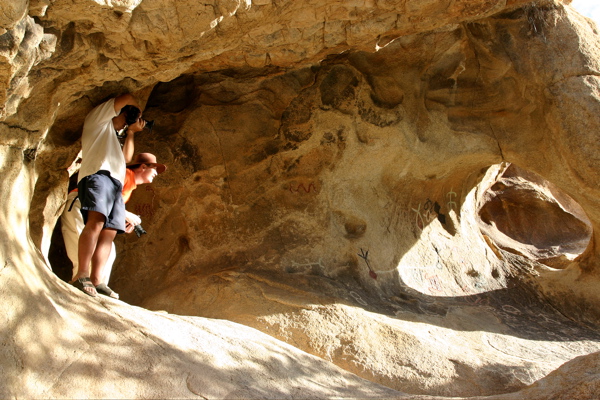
[[311, 187], [144, 210]]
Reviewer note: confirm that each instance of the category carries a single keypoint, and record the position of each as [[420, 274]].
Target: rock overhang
[[286, 166]]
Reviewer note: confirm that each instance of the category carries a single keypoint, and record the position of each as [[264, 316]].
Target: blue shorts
[[101, 192]]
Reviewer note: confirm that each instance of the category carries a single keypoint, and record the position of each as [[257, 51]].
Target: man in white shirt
[[142, 170], [101, 179]]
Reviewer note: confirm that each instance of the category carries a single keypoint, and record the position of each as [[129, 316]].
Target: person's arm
[[125, 100], [128, 147]]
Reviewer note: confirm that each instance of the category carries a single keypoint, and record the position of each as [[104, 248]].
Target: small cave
[[524, 214]]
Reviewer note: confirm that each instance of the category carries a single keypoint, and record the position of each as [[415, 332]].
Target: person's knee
[[95, 221], [107, 235]]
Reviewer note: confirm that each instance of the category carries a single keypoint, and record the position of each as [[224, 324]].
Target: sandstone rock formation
[[364, 199], [529, 216]]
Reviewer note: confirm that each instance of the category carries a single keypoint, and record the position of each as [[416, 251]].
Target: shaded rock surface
[[338, 219], [529, 216]]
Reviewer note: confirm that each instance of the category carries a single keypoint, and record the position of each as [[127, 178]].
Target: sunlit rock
[[337, 220]]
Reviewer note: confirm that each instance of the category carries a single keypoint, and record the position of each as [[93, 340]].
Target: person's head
[[132, 114], [129, 115], [145, 168]]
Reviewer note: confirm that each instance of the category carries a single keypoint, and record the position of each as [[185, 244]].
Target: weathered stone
[[529, 216], [13, 11], [336, 182]]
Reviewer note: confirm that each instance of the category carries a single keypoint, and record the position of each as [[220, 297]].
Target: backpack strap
[[73, 202]]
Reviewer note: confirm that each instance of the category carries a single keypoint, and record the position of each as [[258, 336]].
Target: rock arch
[[293, 149]]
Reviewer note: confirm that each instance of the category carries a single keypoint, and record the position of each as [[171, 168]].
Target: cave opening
[[524, 214]]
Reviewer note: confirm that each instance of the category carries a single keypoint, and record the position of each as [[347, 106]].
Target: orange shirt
[[129, 185]]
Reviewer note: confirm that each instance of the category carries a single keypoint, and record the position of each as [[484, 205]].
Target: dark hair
[[132, 113]]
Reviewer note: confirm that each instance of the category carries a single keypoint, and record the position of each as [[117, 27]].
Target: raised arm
[[128, 147], [125, 100]]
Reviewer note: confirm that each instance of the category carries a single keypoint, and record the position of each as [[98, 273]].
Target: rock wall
[[333, 181]]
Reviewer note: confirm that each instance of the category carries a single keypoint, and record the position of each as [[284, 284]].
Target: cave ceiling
[[396, 196]]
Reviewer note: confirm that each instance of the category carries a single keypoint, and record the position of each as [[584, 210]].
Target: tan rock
[[529, 216], [12, 12], [330, 166]]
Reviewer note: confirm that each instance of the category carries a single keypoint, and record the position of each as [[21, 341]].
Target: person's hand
[[138, 126], [131, 220], [129, 227]]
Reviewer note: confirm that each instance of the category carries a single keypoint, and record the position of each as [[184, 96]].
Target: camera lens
[[150, 125]]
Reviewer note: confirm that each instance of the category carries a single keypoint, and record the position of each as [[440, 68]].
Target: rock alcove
[[343, 215], [529, 216]]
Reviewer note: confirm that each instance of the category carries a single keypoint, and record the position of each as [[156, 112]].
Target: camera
[[139, 230], [122, 134], [149, 124], [132, 114]]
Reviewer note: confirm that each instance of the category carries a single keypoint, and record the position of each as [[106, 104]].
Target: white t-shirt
[[100, 146]]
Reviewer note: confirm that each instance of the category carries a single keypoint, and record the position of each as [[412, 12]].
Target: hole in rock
[[523, 213]]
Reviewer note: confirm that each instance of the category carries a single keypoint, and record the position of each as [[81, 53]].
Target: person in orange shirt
[[143, 169]]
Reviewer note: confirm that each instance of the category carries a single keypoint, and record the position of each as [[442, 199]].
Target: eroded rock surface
[[527, 215], [337, 183]]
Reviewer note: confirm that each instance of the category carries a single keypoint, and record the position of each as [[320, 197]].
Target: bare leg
[[87, 244], [109, 263], [100, 256]]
